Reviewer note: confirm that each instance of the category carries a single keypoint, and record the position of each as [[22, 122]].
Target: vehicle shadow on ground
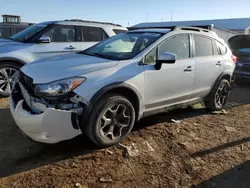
[[235, 177], [221, 147], [238, 176], [18, 154]]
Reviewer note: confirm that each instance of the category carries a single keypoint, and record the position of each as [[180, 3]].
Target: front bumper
[[50, 126]]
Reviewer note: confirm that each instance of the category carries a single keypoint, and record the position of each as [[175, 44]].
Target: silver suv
[[49, 39], [104, 90]]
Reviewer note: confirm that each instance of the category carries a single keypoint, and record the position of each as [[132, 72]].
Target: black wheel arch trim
[[2, 59], [115, 85], [218, 81], [101, 92]]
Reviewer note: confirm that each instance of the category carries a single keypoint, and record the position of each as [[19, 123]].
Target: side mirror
[[44, 39], [165, 57]]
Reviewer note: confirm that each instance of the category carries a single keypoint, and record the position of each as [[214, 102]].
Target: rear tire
[[218, 97], [111, 120], [7, 70]]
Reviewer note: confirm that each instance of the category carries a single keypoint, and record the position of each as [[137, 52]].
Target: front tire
[[111, 120], [218, 97], [7, 70]]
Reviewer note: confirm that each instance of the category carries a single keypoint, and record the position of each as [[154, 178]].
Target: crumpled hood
[[64, 66], [239, 43]]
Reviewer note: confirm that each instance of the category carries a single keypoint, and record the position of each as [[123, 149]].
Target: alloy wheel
[[221, 95], [115, 122], [6, 78]]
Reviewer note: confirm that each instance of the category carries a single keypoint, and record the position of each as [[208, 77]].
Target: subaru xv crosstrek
[[104, 90], [48, 39]]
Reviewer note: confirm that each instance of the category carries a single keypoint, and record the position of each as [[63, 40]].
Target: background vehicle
[[103, 90], [240, 45], [49, 39]]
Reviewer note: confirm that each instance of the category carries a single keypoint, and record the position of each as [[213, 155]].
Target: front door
[[173, 83], [64, 39]]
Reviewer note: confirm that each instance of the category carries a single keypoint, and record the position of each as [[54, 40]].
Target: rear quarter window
[[222, 48], [216, 49]]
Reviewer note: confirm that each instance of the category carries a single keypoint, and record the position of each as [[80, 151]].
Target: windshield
[[28, 33], [123, 46]]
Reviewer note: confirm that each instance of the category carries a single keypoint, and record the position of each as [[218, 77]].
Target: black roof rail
[[87, 21]]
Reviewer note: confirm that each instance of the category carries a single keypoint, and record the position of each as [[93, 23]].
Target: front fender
[[2, 59]]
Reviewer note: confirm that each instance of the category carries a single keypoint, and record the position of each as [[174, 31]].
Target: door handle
[[188, 69], [218, 63], [71, 47]]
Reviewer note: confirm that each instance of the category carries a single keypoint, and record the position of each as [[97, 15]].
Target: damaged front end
[[48, 119]]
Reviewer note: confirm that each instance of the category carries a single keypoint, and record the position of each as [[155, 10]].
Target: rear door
[[64, 39], [208, 64]]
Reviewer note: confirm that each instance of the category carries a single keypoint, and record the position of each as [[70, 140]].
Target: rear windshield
[[118, 31]]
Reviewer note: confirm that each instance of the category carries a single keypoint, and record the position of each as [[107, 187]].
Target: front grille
[[27, 83]]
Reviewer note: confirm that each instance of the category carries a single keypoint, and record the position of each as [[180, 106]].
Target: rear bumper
[[50, 126]]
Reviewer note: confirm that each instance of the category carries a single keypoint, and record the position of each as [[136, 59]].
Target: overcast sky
[[125, 12]]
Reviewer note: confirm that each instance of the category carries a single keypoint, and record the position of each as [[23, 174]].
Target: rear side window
[[222, 48], [93, 34], [203, 46], [118, 31]]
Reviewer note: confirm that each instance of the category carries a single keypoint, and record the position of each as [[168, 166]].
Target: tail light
[[234, 58]]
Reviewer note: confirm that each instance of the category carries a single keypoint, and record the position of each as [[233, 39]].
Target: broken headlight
[[58, 88]]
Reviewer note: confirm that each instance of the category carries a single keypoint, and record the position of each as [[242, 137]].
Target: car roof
[[82, 22], [163, 31], [180, 29]]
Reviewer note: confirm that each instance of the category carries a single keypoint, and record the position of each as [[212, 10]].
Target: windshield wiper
[[99, 55]]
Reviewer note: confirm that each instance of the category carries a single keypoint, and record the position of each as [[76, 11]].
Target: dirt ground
[[202, 150]]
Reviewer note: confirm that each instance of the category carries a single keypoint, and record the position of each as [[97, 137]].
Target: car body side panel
[[20, 52], [127, 72], [44, 50], [169, 85], [206, 73]]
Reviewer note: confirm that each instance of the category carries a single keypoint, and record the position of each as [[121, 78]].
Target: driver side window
[[178, 45], [62, 33]]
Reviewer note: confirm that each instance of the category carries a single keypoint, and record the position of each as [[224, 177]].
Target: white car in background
[[48, 39]]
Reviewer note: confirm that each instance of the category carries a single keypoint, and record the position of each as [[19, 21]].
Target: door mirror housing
[[165, 57], [44, 39]]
